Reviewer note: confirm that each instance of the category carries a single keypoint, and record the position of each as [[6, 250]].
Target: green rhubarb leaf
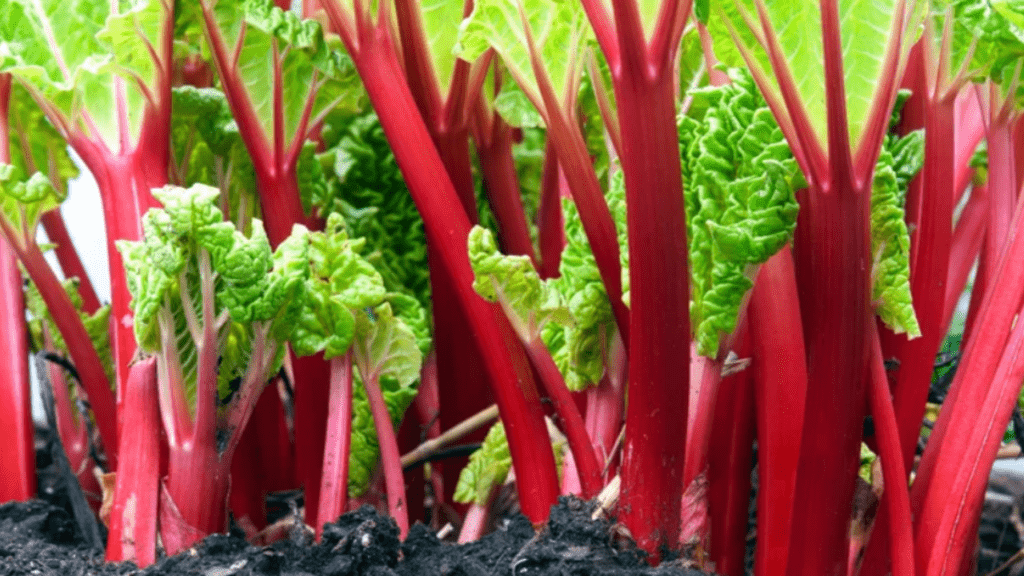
[[340, 283], [900, 160], [740, 206], [365, 450], [559, 31], [24, 199], [385, 346], [515, 107], [415, 317], [865, 32], [368, 191], [73, 54], [206, 148], [268, 38], [35, 143], [998, 28], [440, 25], [528, 301], [187, 248], [388, 348], [488, 468]]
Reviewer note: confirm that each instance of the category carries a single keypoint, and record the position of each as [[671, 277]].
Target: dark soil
[[38, 539], [58, 535]]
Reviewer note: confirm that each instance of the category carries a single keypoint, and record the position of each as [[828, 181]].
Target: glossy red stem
[[585, 457], [447, 230], [390, 458], [334, 482], [729, 463], [653, 456], [133, 518], [780, 388], [18, 459]]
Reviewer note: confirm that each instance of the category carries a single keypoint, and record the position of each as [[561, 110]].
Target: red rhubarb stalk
[[970, 400], [133, 517], [550, 227], [588, 466], [728, 470], [901, 536], [780, 387], [659, 322], [334, 481], [15, 406], [398, 506], [371, 47]]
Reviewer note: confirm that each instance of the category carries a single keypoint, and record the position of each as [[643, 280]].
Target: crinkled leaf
[[368, 191], [900, 160], [740, 206], [24, 199], [528, 301], [488, 467], [340, 283], [365, 451], [261, 290], [385, 346], [206, 147], [415, 317]]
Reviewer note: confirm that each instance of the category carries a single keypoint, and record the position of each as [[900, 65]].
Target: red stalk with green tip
[[303, 80], [901, 536], [398, 507], [837, 152]]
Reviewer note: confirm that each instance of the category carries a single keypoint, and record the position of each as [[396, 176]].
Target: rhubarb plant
[[102, 75], [213, 305], [352, 319]]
